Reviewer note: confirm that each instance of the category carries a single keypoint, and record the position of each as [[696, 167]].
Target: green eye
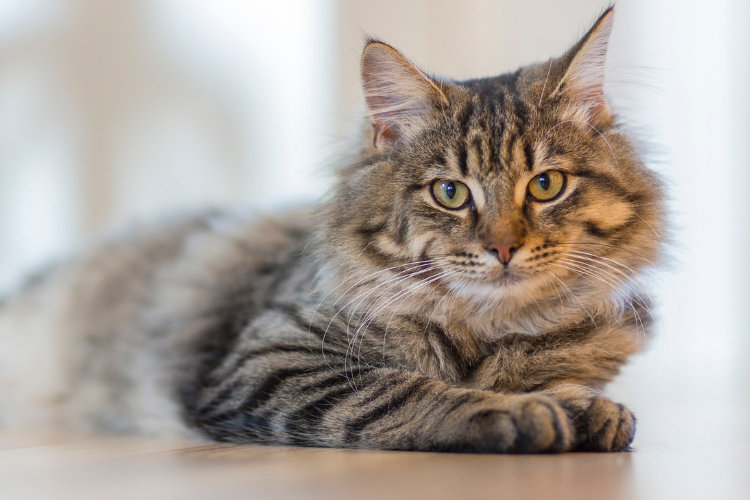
[[451, 194], [546, 186]]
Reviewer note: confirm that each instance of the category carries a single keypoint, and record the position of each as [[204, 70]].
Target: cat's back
[[88, 344]]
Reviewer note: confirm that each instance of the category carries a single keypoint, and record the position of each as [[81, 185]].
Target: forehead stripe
[[528, 152], [492, 152], [461, 155], [438, 159], [477, 147], [509, 142], [466, 114]]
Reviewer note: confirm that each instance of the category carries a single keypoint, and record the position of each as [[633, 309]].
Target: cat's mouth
[[505, 276], [492, 275], [469, 267]]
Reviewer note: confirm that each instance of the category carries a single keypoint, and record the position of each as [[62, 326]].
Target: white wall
[[697, 53], [123, 109]]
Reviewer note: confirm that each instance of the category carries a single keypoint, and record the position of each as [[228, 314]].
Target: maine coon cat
[[470, 285]]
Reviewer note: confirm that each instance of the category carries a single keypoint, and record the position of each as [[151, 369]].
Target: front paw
[[605, 426], [523, 423], [600, 423]]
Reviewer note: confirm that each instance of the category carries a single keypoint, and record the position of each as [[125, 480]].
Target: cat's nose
[[503, 251]]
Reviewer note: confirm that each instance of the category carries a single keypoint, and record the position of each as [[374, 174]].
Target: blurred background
[[127, 109]]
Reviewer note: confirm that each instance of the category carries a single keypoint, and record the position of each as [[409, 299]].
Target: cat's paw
[[600, 423], [606, 426], [527, 423]]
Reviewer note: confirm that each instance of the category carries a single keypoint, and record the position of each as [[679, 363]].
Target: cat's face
[[519, 186]]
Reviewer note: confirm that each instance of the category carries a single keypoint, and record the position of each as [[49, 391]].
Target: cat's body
[[105, 337], [389, 318]]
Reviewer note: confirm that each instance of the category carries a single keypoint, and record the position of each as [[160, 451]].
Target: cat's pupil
[[544, 181], [450, 190]]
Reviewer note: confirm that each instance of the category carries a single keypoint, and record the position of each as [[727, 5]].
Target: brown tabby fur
[[382, 319]]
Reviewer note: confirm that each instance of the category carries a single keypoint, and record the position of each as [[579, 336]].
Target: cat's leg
[[303, 400]]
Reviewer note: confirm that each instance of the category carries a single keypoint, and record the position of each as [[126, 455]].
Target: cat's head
[[500, 193]]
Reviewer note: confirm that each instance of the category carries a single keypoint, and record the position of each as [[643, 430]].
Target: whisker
[[608, 245], [637, 299], [583, 270], [394, 281], [572, 295], [619, 281], [658, 236], [541, 96], [595, 259], [425, 282], [368, 292], [373, 315]]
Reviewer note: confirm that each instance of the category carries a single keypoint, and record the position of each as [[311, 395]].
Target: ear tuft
[[400, 98], [583, 82]]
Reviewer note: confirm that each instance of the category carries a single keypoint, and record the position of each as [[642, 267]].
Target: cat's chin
[[502, 277], [505, 277], [503, 287]]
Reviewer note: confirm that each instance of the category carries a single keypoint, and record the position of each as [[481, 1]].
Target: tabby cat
[[469, 286]]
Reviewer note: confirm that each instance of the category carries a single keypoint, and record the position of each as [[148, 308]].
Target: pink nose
[[503, 251]]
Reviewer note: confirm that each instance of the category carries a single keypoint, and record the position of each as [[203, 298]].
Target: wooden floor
[[703, 454]]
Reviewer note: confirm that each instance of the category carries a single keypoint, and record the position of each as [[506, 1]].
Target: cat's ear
[[583, 82], [400, 98]]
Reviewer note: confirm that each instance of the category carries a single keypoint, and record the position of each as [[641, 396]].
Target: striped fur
[[381, 319]]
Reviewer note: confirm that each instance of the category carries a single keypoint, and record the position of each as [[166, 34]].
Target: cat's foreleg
[[304, 400]]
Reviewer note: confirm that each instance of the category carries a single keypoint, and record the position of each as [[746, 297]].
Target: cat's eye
[[451, 194], [547, 186]]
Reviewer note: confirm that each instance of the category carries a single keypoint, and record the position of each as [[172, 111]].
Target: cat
[[470, 285]]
